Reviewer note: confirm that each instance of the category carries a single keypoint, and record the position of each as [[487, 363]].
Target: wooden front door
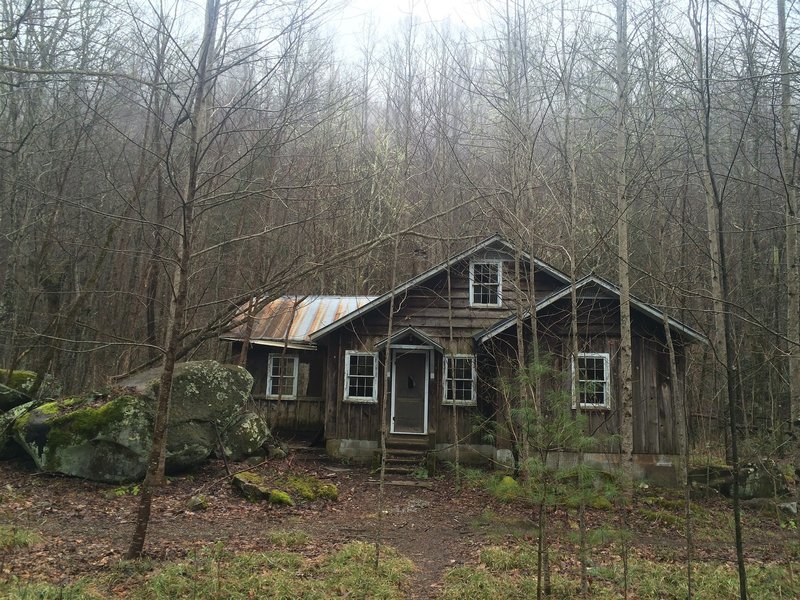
[[410, 391]]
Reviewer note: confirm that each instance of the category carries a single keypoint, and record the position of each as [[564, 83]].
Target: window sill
[[360, 400], [594, 407], [486, 305], [459, 403], [277, 397]]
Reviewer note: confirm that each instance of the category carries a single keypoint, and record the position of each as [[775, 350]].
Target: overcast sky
[[387, 14]]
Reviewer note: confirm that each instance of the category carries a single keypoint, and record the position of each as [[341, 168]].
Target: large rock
[[206, 399], [8, 446], [762, 480], [104, 438], [107, 437], [15, 387], [245, 435]]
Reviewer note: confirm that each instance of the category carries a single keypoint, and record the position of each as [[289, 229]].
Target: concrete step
[[391, 451]]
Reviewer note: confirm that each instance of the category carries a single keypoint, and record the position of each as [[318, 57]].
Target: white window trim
[[472, 401], [488, 261], [361, 399], [607, 383], [296, 370]]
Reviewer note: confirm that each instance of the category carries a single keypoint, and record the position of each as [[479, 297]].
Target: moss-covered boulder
[[15, 387], [99, 437], [280, 497], [107, 437], [252, 486], [309, 488], [8, 446], [245, 436], [207, 398]]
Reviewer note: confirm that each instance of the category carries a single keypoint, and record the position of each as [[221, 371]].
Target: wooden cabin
[[319, 361]]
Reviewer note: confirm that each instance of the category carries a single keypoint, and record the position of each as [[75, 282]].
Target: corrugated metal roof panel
[[295, 318]]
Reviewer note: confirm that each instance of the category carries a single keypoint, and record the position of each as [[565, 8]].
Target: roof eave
[[689, 332], [290, 344]]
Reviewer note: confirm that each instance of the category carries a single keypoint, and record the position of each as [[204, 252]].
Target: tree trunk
[[792, 258], [178, 300]]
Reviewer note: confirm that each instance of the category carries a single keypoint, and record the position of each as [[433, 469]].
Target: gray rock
[[762, 480], [245, 436], [277, 453], [11, 398], [251, 485], [788, 508], [207, 397], [108, 437], [197, 503], [256, 459], [8, 446], [94, 437]]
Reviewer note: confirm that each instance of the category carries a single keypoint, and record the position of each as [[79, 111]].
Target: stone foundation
[[659, 469]]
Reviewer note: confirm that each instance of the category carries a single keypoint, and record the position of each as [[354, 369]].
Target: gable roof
[[291, 320], [410, 331], [603, 289], [494, 240]]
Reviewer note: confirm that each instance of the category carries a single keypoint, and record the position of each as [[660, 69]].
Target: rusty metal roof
[[292, 319]]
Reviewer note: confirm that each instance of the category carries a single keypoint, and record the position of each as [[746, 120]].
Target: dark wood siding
[[653, 392], [425, 308], [302, 414]]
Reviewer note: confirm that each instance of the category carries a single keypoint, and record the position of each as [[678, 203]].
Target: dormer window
[[486, 283]]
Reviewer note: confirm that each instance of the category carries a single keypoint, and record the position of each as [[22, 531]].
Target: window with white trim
[[594, 380], [282, 376], [460, 378], [360, 376], [486, 283]]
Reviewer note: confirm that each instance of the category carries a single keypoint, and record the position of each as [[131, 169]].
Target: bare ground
[[84, 527]]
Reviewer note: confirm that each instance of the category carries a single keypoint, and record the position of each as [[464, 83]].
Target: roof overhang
[[416, 333], [496, 239], [291, 345], [608, 290]]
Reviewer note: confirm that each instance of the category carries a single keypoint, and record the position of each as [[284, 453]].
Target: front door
[[410, 391]]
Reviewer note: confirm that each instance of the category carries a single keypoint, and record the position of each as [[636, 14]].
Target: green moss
[[86, 421], [22, 422], [280, 497], [328, 491], [20, 380], [51, 408], [310, 488], [303, 487], [250, 477]]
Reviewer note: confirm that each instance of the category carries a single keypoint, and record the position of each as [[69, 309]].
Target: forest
[[166, 167], [548, 123]]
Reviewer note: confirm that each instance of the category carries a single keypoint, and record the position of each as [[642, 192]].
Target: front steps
[[405, 455]]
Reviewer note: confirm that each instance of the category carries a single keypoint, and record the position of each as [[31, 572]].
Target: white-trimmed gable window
[[594, 380], [460, 378], [360, 377], [282, 376], [486, 283]]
